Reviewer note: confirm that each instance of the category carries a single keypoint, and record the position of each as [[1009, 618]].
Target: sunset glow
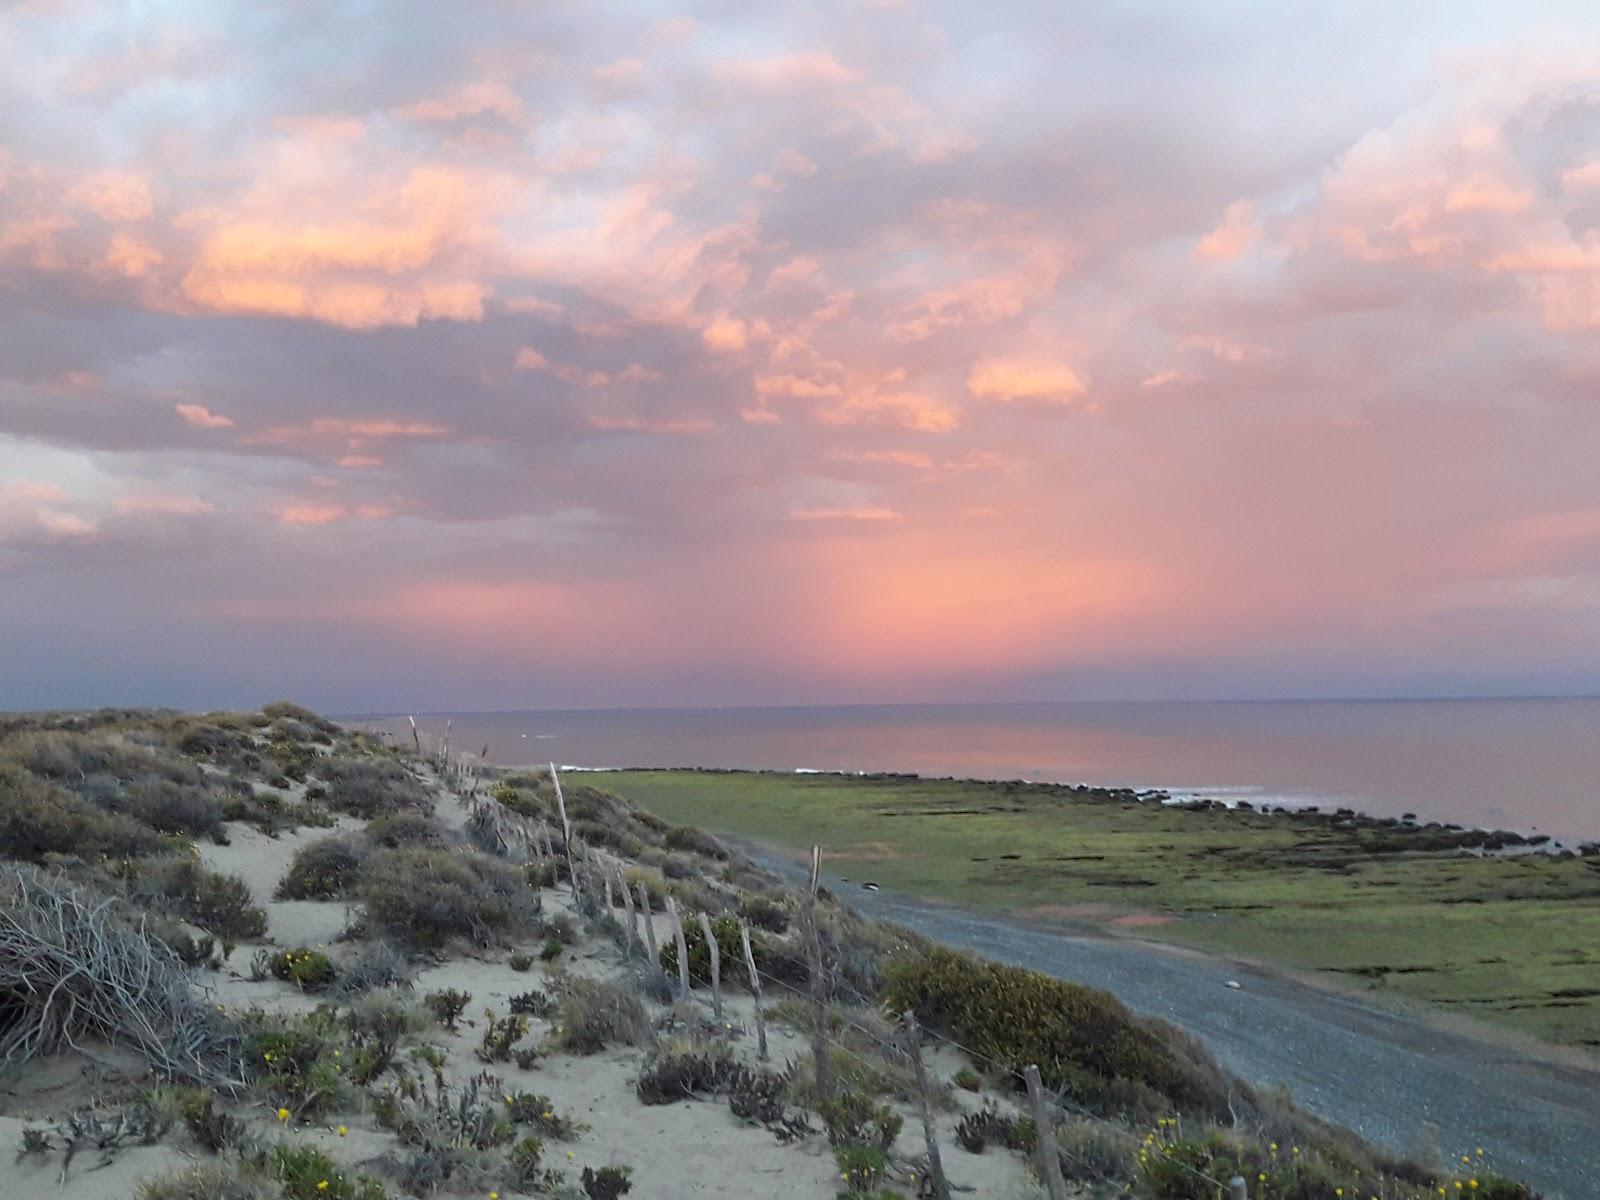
[[564, 355]]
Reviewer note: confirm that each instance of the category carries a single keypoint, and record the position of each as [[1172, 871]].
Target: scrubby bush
[[967, 1079], [424, 898], [607, 1183], [853, 1119], [683, 1069], [306, 1173], [447, 1006], [209, 1181], [592, 1014], [373, 965], [372, 787], [531, 1004], [292, 1060], [325, 869], [696, 841], [764, 913], [521, 962], [977, 1130], [862, 1169], [500, 1034], [529, 1108], [1085, 1042], [38, 820], [219, 904], [406, 829]]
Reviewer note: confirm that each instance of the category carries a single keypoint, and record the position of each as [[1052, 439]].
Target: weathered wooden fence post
[[606, 875], [633, 916], [819, 985], [941, 1189], [566, 831], [683, 948], [1045, 1127], [1236, 1189], [649, 926], [755, 990], [716, 966]]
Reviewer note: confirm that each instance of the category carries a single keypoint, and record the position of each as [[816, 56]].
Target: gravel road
[[1383, 1074]]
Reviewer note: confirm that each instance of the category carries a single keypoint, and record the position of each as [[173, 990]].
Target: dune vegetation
[[259, 957]]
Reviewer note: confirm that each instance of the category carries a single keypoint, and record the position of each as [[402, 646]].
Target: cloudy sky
[[394, 355]]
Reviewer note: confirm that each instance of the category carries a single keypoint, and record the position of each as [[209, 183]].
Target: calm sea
[[1520, 764]]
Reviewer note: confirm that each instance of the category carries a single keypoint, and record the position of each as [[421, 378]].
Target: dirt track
[[1386, 1075]]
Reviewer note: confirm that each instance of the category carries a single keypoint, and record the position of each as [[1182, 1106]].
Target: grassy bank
[[1514, 940]]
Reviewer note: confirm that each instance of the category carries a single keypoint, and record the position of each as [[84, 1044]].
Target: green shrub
[[292, 1059], [325, 869], [521, 962], [532, 1003], [308, 970], [500, 1034], [529, 1108], [551, 950], [967, 1079], [427, 897], [730, 948], [861, 1168], [852, 1119], [1083, 1040], [592, 1014], [305, 1173], [976, 1130]]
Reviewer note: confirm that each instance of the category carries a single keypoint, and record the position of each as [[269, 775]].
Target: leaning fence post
[[1045, 1129], [606, 875], [755, 990], [941, 1189], [649, 926], [633, 916], [566, 831], [819, 986], [683, 949], [1236, 1188], [716, 966]]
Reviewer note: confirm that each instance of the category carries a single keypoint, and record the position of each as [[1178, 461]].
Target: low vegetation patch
[[425, 898], [1086, 1044]]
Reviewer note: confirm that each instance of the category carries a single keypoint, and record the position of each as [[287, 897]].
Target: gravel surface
[[1386, 1075]]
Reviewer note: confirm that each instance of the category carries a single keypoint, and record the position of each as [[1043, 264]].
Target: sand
[[686, 1149]]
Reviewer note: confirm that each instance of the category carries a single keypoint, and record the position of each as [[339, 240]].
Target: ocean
[[1529, 764]]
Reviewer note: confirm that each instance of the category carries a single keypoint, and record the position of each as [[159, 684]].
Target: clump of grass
[[852, 1119], [306, 1173], [209, 1181], [425, 898], [592, 1014], [607, 1183], [529, 1108]]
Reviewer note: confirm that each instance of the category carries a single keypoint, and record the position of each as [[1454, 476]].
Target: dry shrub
[[372, 787], [684, 1069], [73, 966], [592, 1014], [406, 829], [181, 887], [424, 898]]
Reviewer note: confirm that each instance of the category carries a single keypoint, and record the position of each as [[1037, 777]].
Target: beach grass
[[1512, 939]]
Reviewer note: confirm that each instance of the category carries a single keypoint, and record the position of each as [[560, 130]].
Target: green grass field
[[1514, 940]]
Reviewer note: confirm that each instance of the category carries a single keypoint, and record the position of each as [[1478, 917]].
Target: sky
[[501, 355]]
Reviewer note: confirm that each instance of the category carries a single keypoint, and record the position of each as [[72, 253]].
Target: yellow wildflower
[[283, 1114], [343, 1129]]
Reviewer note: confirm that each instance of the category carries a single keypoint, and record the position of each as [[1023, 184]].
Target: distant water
[[1518, 764]]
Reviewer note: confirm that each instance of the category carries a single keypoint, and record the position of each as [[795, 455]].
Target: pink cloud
[[1233, 236], [163, 504], [686, 427], [726, 334], [871, 513], [117, 196], [202, 417], [1012, 380], [808, 68], [489, 98]]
